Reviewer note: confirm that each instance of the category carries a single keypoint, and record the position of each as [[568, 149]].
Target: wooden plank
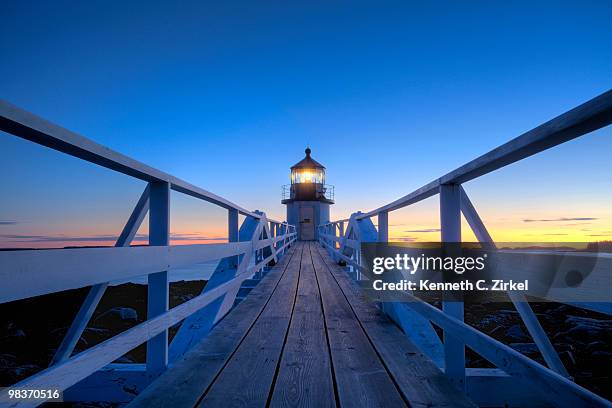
[[420, 381], [305, 378], [361, 378], [247, 378], [184, 383]]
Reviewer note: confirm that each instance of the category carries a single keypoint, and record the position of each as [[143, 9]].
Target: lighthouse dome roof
[[307, 162]]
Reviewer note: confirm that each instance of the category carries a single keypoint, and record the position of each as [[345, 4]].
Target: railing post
[[383, 226], [321, 230], [157, 300], [341, 235], [450, 224], [232, 233], [337, 235], [232, 225], [283, 229], [335, 242], [272, 226]]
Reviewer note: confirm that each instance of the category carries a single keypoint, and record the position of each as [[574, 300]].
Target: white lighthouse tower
[[307, 197]]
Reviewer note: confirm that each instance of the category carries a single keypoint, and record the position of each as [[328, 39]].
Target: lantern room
[[307, 197], [308, 170]]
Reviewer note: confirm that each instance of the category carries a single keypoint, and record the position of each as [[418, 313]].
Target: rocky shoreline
[[32, 329], [582, 338]]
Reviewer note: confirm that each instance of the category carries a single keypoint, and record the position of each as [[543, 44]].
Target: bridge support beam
[[450, 224], [158, 289], [341, 235], [232, 234], [383, 226]]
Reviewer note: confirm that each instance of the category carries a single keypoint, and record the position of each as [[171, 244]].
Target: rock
[[586, 327], [495, 319], [14, 337], [560, 346], [515, 333], [26, 370], [18, 333], [97, 331], [13, 333], [561, 309], [124, 314], [477, 308], [184, 298], [567, 356], [602, 355], [596, 345], [7, 360], [115, 319]]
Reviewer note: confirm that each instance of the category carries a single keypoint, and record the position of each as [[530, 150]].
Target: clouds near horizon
[[561, 219]]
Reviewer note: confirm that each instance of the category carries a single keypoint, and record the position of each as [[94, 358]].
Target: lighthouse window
[[308, 176]]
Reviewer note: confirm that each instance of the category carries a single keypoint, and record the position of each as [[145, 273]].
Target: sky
[[227, 95]]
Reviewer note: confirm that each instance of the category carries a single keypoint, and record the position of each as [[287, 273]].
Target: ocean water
[[201, 271]]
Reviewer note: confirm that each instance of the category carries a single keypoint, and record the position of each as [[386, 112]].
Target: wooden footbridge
[[305, 336], [280, 322]]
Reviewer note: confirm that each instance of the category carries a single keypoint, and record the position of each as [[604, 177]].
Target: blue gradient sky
[[389, 95]]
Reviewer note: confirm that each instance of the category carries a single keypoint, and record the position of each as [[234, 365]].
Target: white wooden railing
[[518, 380], [28, 273]]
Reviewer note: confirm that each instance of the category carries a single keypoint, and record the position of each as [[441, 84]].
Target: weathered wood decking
[[305, 336]]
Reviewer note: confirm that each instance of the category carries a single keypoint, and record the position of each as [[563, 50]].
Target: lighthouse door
[[306, 223]]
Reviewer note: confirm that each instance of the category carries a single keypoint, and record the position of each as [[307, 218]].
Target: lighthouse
[[307, 197]]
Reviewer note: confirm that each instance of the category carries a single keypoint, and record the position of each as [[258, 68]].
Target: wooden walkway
[[305, 336]]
